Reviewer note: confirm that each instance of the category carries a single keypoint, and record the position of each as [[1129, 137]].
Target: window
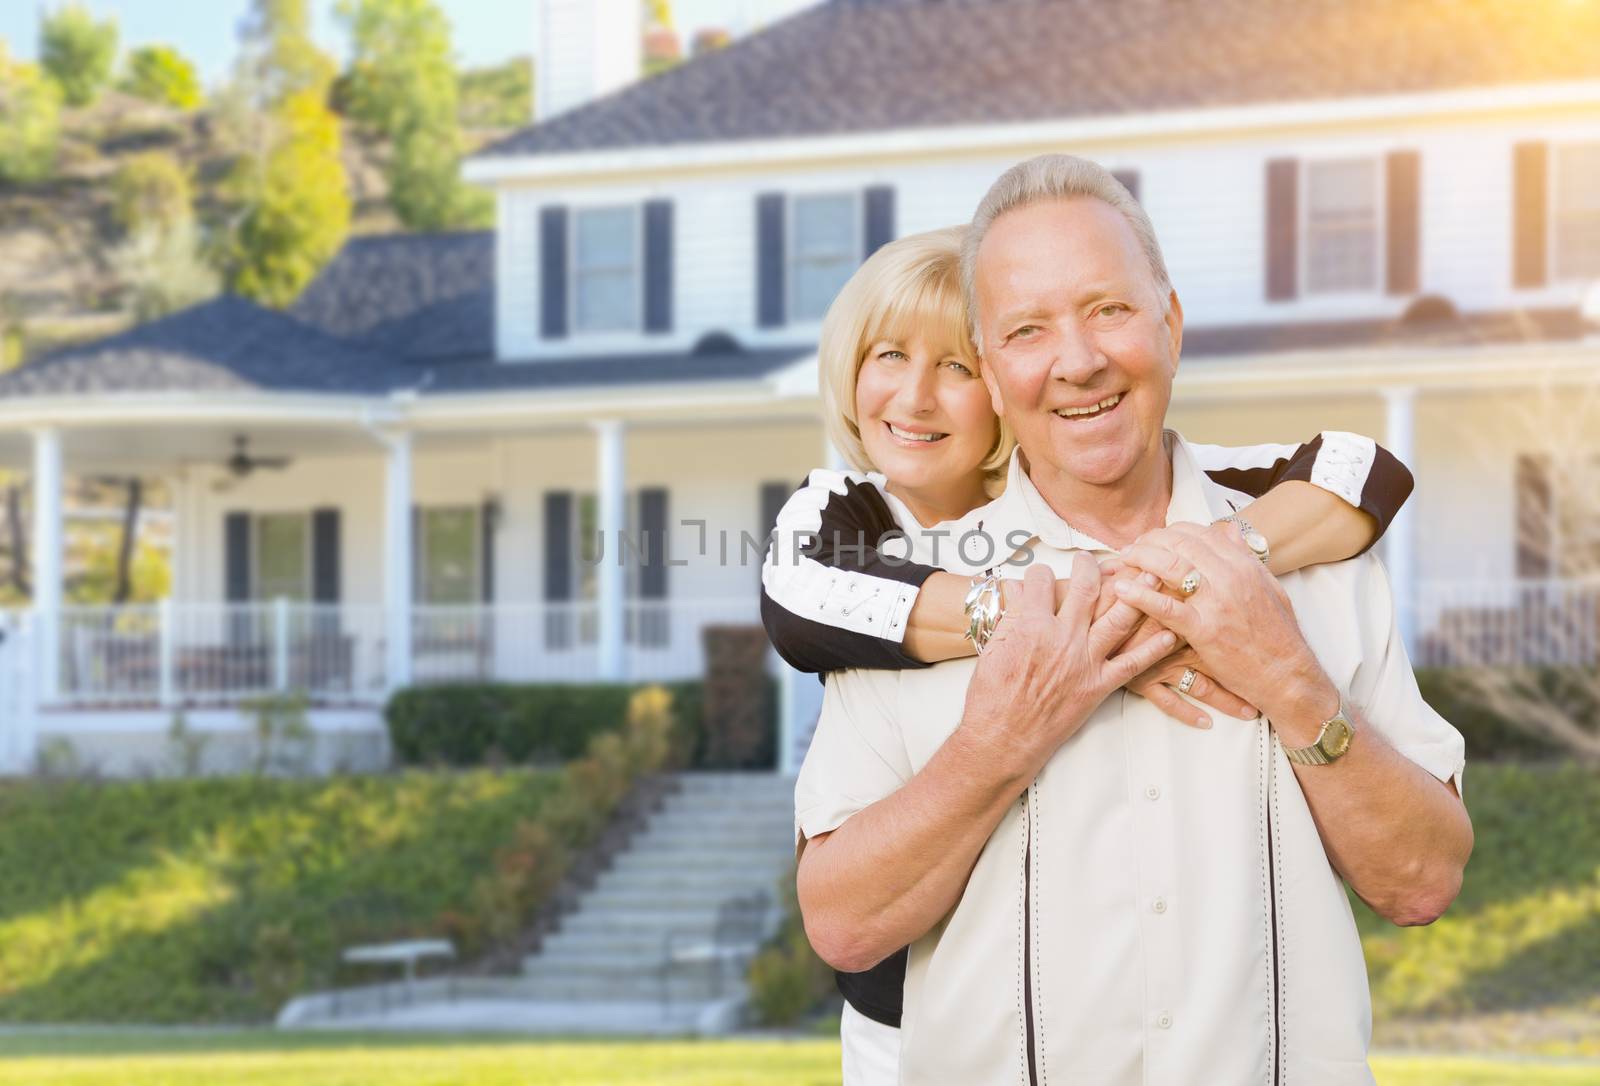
[[585, 567], [605, 269], [1341, 226], [825, 238], [1575, 224], [283, 556], [449, 552]]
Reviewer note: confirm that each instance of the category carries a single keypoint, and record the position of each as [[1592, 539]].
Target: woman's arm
[[1324, 501], [830, 599]]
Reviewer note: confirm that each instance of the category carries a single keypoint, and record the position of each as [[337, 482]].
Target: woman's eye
[[891, 354], [959, 367]]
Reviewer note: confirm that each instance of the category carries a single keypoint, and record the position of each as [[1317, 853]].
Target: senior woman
[[853, 577]]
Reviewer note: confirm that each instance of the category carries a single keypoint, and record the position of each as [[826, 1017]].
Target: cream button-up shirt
[[1157, 907]]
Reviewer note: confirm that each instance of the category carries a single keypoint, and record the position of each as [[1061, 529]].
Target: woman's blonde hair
[[911, 286]]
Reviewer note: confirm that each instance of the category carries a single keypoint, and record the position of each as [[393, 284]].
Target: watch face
[[1337, 740]]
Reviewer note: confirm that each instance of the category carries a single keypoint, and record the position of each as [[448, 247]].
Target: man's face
[[1078, 353]]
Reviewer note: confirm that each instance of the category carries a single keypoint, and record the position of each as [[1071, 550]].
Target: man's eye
[[1111, 309], [1024, 332]]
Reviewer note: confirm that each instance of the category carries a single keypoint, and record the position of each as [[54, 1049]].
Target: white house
[[1381, 217]]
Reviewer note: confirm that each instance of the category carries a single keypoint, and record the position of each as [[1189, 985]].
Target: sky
[[484, 31]]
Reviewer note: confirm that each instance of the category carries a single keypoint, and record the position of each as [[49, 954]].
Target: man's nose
[[1079, 359]]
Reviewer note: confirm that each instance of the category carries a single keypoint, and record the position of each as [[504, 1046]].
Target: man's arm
[[894, 868], [1399, 834]]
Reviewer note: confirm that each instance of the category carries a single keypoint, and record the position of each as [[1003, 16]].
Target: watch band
[[1333, 740], [1253, 538]]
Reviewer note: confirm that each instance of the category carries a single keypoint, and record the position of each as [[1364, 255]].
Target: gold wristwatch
[[1332, 741]]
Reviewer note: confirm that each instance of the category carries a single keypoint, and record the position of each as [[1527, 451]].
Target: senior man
[[1092, 893]]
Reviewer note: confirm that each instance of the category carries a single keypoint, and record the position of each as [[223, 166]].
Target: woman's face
[[925, 421]]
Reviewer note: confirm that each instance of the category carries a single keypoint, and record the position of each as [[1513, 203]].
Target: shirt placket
[[1159, 897]]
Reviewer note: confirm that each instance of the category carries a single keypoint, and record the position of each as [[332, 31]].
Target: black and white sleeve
[[1350, 466], [831, 598]]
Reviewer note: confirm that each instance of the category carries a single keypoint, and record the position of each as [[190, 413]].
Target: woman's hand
[[1160, 682]]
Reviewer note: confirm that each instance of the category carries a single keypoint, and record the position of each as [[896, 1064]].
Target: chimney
[[586, 48]]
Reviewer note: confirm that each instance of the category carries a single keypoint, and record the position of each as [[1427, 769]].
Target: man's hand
[[1158, 683], [1239, 622], [1045, 670]]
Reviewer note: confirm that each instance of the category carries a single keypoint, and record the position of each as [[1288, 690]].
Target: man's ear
[[1175, 327]]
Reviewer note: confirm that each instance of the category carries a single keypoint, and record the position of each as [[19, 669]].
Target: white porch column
[[47, 550], [611, 483], [397, 551], [1400, 547]]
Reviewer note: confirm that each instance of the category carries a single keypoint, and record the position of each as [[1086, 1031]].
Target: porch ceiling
[[159, 446]]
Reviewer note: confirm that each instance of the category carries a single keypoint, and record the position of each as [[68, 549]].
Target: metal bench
[[743, 924]]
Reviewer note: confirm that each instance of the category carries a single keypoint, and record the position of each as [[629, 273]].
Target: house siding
[[1204, 195]]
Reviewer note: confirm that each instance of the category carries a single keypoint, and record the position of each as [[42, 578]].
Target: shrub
[[787, 979], [1487, 733], [150, 191], [159, 73], [77, 50], [461, 723]]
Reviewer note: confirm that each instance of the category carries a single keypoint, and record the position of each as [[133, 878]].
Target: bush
[[30, 121], [77, 50], [1488, 735], [159, 73], [787, 979], [465, 724], [150, 191]]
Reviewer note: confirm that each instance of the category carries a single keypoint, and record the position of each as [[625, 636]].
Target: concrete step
[[646, 947], [554, 958], [684, 860], [756, 843], [699, 819], [704, 899], [644, 984], [712, 881]]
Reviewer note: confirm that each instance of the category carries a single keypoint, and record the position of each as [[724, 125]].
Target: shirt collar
[[1023, 512]]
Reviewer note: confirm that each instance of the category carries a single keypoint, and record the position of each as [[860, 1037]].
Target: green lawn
[[271, 1059]]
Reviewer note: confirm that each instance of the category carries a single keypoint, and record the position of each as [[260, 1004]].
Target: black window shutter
[[1129, 179], [658, 266], [1534, 527], [769, 260], [558, 545], [880, 217], [1530, 217], [653, 536], [325, 555], [553, 272], [1283, 191], [1404, 248], [488, 513], [236, 557]]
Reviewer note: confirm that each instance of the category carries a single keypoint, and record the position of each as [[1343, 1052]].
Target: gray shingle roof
[[419, 295], [873, 65], [228, 343]]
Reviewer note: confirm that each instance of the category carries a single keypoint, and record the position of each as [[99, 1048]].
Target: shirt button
[[1159, 904], [1165, 1021], [1152, 792]]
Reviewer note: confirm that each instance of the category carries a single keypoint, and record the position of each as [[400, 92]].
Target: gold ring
[[1186, 683], [1191, 583]]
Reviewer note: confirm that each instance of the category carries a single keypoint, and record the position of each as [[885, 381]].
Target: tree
[[163, 270], [30, 121], [290, 206], [497, 97], [297, 209], [77, 50], [159, 73], [402, 84]]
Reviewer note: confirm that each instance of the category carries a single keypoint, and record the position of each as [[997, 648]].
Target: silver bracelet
[[984, 608]]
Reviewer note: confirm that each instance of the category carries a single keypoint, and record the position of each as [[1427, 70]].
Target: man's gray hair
[[1055, 177]]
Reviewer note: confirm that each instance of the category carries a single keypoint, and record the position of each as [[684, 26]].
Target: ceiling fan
[[242, 464]]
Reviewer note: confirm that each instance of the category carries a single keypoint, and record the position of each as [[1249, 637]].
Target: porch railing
[[171, 654], [1508, 623]]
